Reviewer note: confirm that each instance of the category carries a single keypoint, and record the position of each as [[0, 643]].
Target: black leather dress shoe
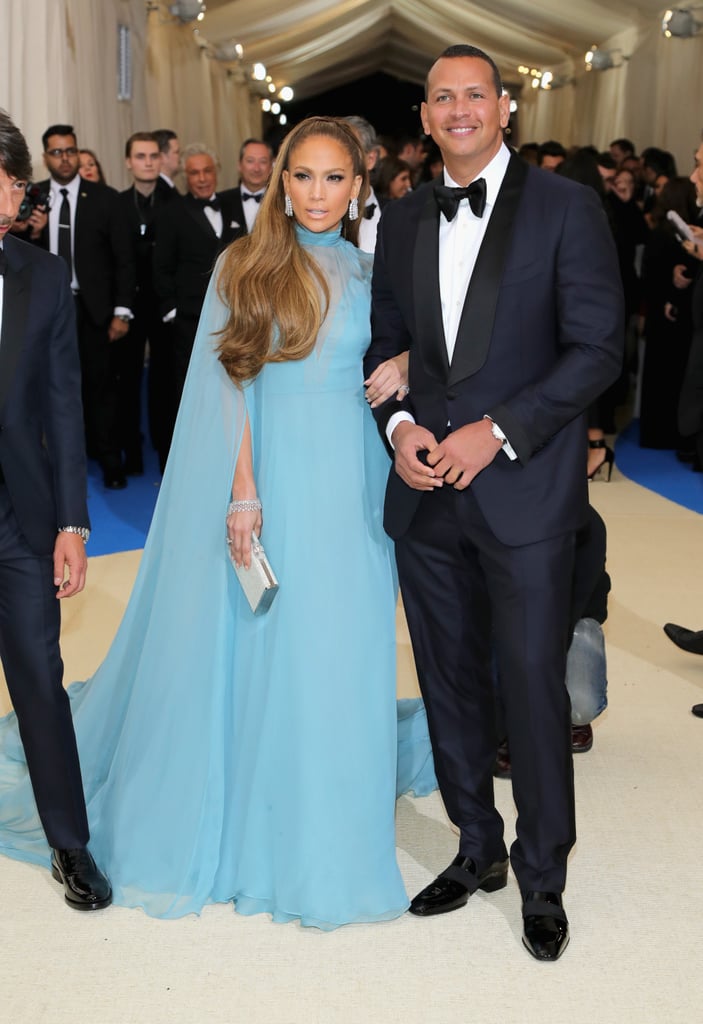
[[697, 710], [581, 738], [686, 639], [502, 769], [452, 888], [85, 886], [545, 927]]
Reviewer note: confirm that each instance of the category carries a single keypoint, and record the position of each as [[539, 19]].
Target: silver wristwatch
[[82, 531]]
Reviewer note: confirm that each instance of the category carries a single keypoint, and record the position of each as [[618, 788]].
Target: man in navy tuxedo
[[43, 522], [502, 281]]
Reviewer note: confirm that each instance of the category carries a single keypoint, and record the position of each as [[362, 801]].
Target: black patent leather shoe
[[452, 888], [686, 639], [697, 710], [85, 886], [545, 927]]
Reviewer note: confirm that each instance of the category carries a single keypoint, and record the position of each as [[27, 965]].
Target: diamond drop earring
[[288, 206], [353, 208]]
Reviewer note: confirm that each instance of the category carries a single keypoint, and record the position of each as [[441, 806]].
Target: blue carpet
[[658, 471], [120, 519]]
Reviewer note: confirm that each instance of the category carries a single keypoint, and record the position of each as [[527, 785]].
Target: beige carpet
[[635, 898]]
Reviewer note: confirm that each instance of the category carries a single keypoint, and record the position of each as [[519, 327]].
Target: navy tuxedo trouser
[[467, 597], [30, 620]]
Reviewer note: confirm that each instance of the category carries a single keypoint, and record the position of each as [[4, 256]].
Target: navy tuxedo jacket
[[186, 250], [42, 448], [540, 338], [102, 253]]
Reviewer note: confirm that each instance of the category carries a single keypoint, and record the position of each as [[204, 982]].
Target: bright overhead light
[[275, 108], [679, 22], [546, 80], [259, 72], [271, 87], [286, 94], [283, 119], [266, 104], [513, 106], [598, 60]]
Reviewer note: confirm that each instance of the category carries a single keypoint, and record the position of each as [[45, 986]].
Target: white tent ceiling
[[315, 45]]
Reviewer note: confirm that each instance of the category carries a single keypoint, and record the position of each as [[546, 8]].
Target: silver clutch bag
[[259, 581]]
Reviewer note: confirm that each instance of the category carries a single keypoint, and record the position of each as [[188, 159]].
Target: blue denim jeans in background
[[586, 672]]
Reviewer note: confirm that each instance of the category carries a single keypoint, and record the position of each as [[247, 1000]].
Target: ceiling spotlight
[[230, 51], [271, 87], [286, 94], [188, 10], [598, 60], [679, 22], [275, 108], [283, 119], [259, 72], [546, 80], [266, 105], [513, 106]]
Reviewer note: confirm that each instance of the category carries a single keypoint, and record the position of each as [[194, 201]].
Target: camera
[[34, 196]]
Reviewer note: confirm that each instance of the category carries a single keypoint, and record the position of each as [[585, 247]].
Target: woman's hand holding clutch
[[243, 518]]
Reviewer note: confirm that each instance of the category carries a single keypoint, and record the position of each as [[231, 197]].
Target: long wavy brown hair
[[273, 288]]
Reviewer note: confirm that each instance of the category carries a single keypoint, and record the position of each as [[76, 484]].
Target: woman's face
[[624, 186], [400, 185], [320, 181], [88, 168]]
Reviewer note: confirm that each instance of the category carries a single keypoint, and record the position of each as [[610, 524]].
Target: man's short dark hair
[[254, 142], [607, 160], [464, 50], [550, 148], [163, 137], [139, 137], [57, 129], [14, 152], [626, 145]]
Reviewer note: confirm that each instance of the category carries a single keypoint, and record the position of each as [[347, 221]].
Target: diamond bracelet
[[249, 505]]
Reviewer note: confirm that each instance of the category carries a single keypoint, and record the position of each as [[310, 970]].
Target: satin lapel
[[14, 318], [476, 324], [428, 306]]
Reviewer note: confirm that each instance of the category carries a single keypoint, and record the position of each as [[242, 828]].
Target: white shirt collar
[[493, 173], [72, 187]]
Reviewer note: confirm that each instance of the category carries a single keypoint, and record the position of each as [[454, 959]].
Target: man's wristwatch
[[82, 531]]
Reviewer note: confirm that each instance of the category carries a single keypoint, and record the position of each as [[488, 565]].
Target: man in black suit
[[84, 227], [43, 522], [190, 236], [255, 166], [503, 284], [170, 149], [141, 206]]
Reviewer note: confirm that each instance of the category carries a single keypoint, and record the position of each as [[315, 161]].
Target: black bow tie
[[202, 204], [448, 199], [369, 211], [250, 195], [3, 262]]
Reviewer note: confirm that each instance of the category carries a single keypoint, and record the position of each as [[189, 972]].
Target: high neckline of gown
[[324, 238]]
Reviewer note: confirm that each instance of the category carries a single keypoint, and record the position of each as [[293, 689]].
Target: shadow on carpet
[[120, 519]]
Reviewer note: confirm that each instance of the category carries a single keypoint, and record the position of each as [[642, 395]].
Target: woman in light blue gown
[[233, 757]]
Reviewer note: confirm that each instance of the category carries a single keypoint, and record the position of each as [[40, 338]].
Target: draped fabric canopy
[[61, 65]]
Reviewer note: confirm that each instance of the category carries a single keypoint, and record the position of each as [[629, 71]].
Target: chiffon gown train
[[232, 757]]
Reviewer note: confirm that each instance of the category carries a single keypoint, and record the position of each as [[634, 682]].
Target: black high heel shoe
[[608, 460]]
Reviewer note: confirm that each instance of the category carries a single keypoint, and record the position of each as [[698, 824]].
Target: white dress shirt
[[214, 216], [368, 229], [250, 206], [55, 201], [459, 243]]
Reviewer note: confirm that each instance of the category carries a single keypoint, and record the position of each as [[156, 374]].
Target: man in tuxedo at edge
[[255, 166], [43, 522], [191, 232], [512, 314], [99, 255], [141, 207]]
